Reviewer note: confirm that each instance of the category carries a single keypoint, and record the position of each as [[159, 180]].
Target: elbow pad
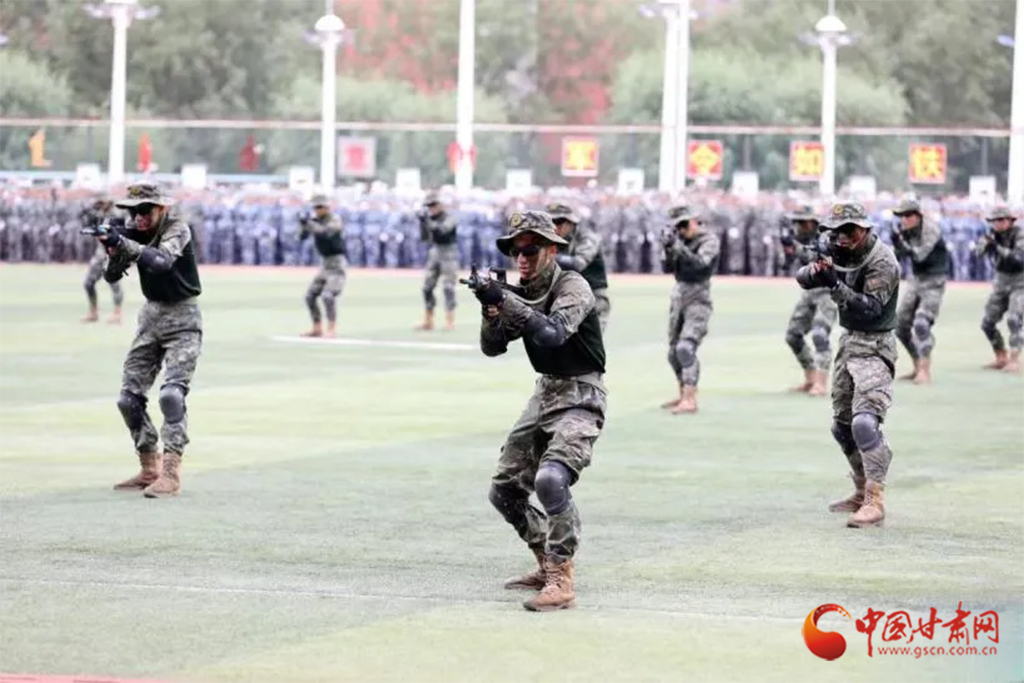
[[565, 262], [806, 279], [548, 333], [156, 260]]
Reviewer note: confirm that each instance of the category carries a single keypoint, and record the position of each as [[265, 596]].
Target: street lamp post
[[122, 13], [464, 105], [1015, 176], [666, 168], [831, 34], [329, 30]]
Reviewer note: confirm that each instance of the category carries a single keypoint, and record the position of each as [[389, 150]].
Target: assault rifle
[[105, 227], [476, 281]]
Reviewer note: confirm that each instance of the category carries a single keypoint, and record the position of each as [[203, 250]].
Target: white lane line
[[376, 342]]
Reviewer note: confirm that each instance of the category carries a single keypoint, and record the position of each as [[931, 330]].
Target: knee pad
[[311, 298], [685, 353], [843, 435], [507, 499], [1014, 323], [133, 409], [795, 341], [922, 327], [819, 336], [988, 327], [172, 402], [552, 486], [865, 431]]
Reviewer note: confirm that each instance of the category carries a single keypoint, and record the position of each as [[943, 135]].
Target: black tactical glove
[[490, 293], [827, 275], [110, 239]]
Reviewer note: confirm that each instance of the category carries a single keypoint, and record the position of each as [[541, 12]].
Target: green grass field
[[334, 522]]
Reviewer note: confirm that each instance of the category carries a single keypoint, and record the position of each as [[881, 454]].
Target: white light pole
[[329, 30], [464, 104], [682, 93], [1015, 176], [122, 13], [831, 34], [666, 168]]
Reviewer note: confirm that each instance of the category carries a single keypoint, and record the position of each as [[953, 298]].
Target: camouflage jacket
[[925, 248], [439, 230]]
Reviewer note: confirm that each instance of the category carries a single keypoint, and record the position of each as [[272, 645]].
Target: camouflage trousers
[[94, 275], [688, 317], [815, 314], [168, 335], [917, 312], [862, 385], [561, 422], [603, 306], [328, 284], [1007, 298], [442, 263]]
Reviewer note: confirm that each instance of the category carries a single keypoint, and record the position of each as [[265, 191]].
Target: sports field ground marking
[[327, 593], [376, 342]]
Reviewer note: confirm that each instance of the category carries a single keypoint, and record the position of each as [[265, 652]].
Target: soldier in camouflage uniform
[[815, 312], [863, 278], [329, 240], [102, 208], [1005, 245], [921, 240], [438, 228], [169, 333], [583, 255], [553, 312], [691, 254]]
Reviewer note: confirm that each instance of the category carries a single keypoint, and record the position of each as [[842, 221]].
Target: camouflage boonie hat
[[679, 213], [846, 213], [320, 200], [907, 205], [558, 210], [144, 193], [431, 198], [1000, 212], [804, 212], [537, 222]]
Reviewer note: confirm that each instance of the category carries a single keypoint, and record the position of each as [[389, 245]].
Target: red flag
[[145, 154], [249, 158]]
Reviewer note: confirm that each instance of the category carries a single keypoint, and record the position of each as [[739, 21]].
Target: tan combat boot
[[115, 317], [688, 403], [317, 331], [92, 316], [557, 592], [1013, 364], [169, 482], [331, 330], [872, 512], [428, 322], [809, 376], [910, 376], [924, 372], [532, 581], [853, 502], [820, 385], [449, 318], [1000, 362], [150, 472], [674, 402]]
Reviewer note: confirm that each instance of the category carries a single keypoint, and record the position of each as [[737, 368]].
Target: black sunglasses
[[528, 252], [141, 209]]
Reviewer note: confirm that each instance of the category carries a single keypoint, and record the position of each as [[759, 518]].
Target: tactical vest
[[937, 262], [595, 273], [691, 272], [441, 240], [1001, 264], [330, 243], [885, 322], [582, 353], [177, 284]]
